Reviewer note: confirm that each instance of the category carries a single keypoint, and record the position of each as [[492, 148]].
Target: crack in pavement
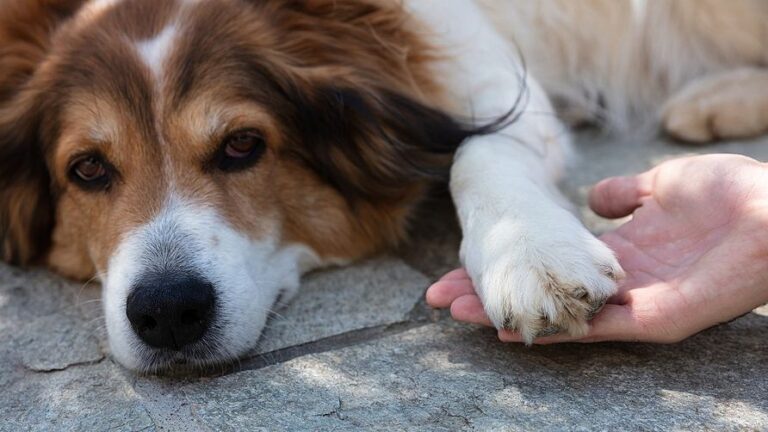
[[63, 368], [331, 343], [419, 316], [336, 412]]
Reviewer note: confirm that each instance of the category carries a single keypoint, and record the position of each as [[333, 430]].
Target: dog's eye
[[90, 172], [241, 150]]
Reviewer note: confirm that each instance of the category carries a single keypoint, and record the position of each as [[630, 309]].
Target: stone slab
[[53, 373], [47, 323], [450, 377], [79, 398], [372, 293]]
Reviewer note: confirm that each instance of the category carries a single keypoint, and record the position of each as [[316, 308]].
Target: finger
[[510, 336], [613, 323], [457, 274], [617, 197], [469, 309], [623, 290], [442, 293], [621, 297]]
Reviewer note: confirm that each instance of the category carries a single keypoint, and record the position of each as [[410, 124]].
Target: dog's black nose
[[171, 311]]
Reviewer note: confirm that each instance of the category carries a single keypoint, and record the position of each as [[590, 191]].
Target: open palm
[[695, 251]]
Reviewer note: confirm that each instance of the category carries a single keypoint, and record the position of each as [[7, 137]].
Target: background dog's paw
[[539, 286], [732, 105]]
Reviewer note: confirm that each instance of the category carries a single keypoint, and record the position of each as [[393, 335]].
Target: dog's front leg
[[537, 269], [534, 265]]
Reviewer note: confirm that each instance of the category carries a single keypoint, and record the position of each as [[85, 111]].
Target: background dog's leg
[[534, 265], [729, 105]]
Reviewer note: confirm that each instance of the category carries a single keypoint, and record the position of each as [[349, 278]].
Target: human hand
[[695, 252]]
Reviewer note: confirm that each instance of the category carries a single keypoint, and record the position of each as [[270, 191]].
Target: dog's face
[[198, 156]]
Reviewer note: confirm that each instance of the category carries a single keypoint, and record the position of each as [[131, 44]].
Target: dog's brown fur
[[327, 82]]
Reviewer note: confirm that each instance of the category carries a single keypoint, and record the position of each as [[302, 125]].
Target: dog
[[199, 156]]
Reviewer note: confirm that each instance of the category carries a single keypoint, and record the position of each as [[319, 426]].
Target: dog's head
[[198, 156]]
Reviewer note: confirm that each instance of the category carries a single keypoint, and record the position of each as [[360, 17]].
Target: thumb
[[617, 197]]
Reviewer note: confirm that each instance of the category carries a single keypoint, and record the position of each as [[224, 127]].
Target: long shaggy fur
[[616, 62]]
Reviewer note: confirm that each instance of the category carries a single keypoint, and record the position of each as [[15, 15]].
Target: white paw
[[731, 105], [540, 278]]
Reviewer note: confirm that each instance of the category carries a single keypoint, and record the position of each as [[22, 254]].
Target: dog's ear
[[26, 208], [26, 205], [362, 126], [26, 28], [377, 144]]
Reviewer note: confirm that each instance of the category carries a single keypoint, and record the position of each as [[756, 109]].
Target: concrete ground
[[358, 349]]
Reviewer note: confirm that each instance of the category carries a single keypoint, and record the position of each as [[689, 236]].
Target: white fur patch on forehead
[[102, 5], [94, 9], [154, 52]]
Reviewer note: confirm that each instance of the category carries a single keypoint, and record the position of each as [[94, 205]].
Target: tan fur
[[619, 60], [69, 85], [153, 134]]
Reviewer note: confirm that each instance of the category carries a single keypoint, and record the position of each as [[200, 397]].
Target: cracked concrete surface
[[358, 349]]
